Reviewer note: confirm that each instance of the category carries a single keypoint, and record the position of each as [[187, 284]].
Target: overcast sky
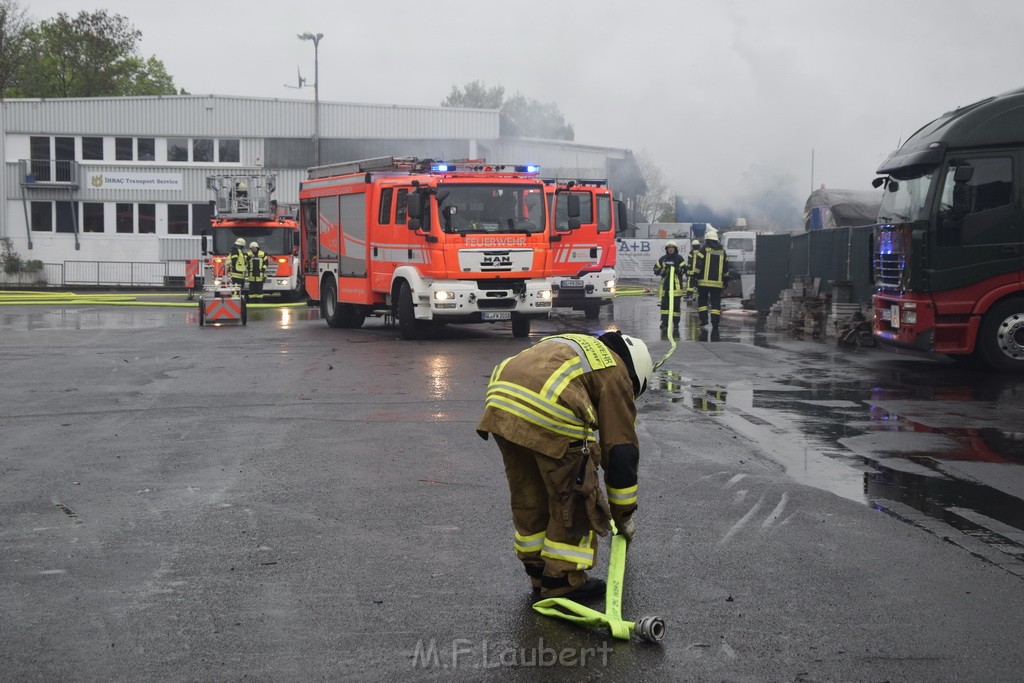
[[713, 90]]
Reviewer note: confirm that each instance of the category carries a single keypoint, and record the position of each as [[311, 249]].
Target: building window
[[147, 218], [229, 151], [42, 217], [92, 216], [125, 220], [177, 149], [177, 219], [92, 149], [147, 149], [67, 214], [202, 150], [123, 149], [39, 151]]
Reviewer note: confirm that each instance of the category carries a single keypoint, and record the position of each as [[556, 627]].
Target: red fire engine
[[243, 208], [581, 262], [428, 243]]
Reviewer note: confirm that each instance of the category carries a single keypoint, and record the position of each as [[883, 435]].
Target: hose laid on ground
[[651, 629], [55, 298]]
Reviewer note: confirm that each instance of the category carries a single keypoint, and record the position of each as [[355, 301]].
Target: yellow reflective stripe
[[626, 496], [533, 417], [558, 381], [535, 400], [529, 544], [582, 554], [592, 351], [497, 370], [575, 346]]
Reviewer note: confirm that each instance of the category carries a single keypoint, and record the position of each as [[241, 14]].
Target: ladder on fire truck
[[416, 165], [243, 196]]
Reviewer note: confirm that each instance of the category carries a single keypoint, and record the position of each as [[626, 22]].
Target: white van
[[740, 247]]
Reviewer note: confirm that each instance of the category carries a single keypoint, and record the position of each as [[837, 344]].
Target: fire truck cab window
[[402, 206], [980, 210], [604, 213], [489, 209], [586, 211], [384, 216]]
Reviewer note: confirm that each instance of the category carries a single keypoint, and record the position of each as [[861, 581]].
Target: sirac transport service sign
[[135, 181]]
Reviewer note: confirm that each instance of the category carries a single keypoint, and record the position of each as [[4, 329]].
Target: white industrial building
[[113, 190]]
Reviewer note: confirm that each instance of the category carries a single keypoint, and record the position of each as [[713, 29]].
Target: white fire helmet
[[254, 245], [695, 243], [711, 235], [240, 242], [672, 243], [642, 363]]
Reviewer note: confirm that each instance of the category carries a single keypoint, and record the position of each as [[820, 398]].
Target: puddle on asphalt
[[947, 455]]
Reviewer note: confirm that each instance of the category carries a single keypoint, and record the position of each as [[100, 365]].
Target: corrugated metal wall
[[771, 269], [216, 116]]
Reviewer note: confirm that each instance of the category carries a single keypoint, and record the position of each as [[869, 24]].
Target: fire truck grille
[[889, 270], [496, 304]]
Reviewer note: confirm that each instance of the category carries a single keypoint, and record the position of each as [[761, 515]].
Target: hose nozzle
[[651, 629]]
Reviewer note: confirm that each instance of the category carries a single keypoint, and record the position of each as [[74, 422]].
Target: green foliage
[[10, 258], [530, 117], [14, 54], [33, 265], [93, 54]]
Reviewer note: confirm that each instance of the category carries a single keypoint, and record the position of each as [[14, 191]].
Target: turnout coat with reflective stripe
[[555, 393]]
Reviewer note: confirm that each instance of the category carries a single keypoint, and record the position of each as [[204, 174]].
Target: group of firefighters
[[704, 273], [248, 267]]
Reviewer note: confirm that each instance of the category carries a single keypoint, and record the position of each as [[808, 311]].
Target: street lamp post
[[316, 91]]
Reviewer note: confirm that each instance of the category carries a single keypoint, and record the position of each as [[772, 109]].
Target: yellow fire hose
[[671, 318], [651, 629], [54, 298]]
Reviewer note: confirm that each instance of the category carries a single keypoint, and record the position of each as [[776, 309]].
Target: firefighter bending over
[[710, 274], [257, 261], [238, 263], [672, 270], [544, 406]]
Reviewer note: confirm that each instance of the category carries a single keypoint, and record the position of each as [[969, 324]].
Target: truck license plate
[[496, 315], [570, 284]]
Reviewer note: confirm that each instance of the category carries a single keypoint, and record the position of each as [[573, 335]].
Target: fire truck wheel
[[245, 313], [202, 313], [407, 323], [329, 309], [592, 311], [1001, 337], [520, 326]]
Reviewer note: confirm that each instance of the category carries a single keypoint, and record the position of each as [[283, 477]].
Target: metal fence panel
[[771, 269], [115, 273]]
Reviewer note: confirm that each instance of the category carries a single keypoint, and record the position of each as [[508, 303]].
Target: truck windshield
[[906, 200], [272, 240], [491, 208]]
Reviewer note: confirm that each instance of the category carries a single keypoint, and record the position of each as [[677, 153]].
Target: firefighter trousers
[[677, 302], [558, 509], [709, 305]]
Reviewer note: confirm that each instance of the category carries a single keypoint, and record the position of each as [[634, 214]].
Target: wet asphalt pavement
[[285, 501]]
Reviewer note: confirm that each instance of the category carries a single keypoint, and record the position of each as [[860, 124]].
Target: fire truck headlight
[[610, 285], [442, 295], [909, 317], [544, 295]]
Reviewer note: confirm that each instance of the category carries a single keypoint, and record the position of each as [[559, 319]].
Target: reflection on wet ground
[[935, 444]]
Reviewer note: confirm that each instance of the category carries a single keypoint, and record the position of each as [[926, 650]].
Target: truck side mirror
[[621, 217], [963, 174], [572, 206], [204, 244], [414, 210]]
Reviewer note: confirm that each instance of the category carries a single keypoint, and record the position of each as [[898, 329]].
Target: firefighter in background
[[672, 269], [710, 274], [258, 262], [545, 407], [238, 263], [691, 290]]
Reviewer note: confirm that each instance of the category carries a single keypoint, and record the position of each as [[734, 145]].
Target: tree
[[14, 38], [657, 204], [529, 117], [90, 55]]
